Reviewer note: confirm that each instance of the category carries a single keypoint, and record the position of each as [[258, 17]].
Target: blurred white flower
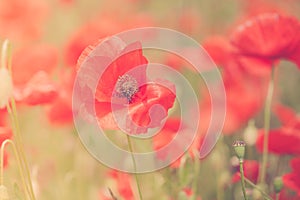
[[250, 133], [6, 87]]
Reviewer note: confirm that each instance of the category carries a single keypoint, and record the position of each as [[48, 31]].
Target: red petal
[[268, 35], [111, 59], [281, 141], [218, 48], [148, 96], [292, 180], [60, 112], [285, 114], [251, 169], [131, 61], [39, 90]]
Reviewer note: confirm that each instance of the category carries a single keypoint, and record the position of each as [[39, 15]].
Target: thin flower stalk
[[134, 167], [267, 120]]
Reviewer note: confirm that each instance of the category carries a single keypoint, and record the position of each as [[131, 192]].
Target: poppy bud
[[278, 184], [250, 133], [6, 87], [239, 148]]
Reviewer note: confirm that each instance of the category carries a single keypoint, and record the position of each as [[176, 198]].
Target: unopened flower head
[[6, 87], [278, 184], [239, 148]]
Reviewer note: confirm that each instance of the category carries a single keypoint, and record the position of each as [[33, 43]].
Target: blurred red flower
[[60, 111], [165, 136], [251, 169], [3, 115], [188, 192], [38, 90], [31, 67], [123, 181], [285, 114], [22, 19], [284, 140], [29, 60], [100, 27], [292, 180], [269, 36], [239, 80], [124, 84]]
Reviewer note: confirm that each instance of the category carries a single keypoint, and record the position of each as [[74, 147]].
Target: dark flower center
[[126, 87]]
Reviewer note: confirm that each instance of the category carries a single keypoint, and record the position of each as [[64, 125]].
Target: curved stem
[[18, 161], [267, 120], [6, 62], [19, 147], [242, 179], [134, 166]]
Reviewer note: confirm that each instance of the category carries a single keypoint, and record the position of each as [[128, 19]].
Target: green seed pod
[[239, 148]]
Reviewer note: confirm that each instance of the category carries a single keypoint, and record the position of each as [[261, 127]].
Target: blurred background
[[48, 36]]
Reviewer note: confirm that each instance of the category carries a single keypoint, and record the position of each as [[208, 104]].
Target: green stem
[[18, 162], [6, 62], [266, 196], [242, 179], [18, 141], [267, 120], [134, 167], [112, 194], [277, 196], [197, 174]]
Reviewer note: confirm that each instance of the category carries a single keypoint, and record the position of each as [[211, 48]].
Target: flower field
[[148, 99]]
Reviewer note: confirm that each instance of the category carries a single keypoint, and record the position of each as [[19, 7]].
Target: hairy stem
[[242, 180]]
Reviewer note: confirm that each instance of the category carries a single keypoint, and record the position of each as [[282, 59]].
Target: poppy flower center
[[126, 87]]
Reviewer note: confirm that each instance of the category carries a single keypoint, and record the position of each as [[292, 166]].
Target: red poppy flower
[[224, 55], [269, 36], [39, 90], [284, 140], [239, 80], [237, 112], [251, 169], [3, 114], [99, 27], [31, 66], [60, 110], [123, 181], [123, 86], [285, 114], [29, 60], [292, 180]]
